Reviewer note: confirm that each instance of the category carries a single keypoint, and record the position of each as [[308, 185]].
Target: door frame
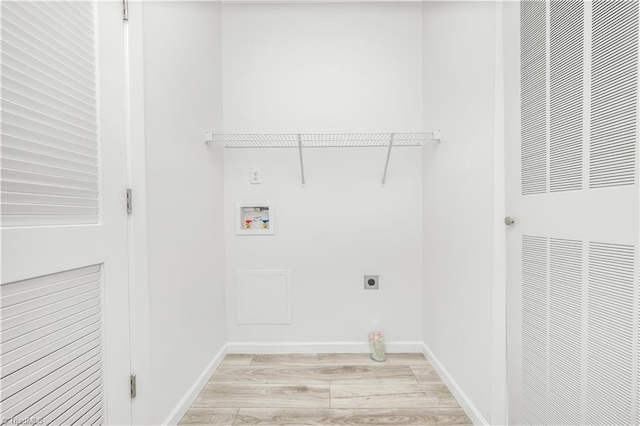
[[138, 239], [137, 220], [499, 384]]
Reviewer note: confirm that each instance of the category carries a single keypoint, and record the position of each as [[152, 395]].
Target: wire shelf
[[322, 140]]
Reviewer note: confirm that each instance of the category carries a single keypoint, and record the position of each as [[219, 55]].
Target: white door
[[572, 189], [65, 300]]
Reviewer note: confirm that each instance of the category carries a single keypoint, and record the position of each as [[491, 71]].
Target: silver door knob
[[509, 221]]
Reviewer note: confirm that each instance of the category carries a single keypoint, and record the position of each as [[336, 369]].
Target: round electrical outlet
[[371, 282]]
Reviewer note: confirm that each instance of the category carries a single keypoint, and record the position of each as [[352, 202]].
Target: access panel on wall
[[572, 186]]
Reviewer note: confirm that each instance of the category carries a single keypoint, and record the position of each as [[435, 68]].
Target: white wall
[[342, 225], [328, 68], [182, 74], [459, 55], [322, 68]]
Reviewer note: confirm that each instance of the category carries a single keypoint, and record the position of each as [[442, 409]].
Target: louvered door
[[64, 312], [571, 90]]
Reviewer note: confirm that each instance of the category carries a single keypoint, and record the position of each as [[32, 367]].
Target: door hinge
[[125, 10], [132, 380], [129, 201]]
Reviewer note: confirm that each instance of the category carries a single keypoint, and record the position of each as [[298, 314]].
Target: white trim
[[499, 392], [192, 393], [319, 347], [137, 220], [465, 402]]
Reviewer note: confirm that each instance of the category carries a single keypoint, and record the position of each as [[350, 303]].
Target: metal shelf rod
[[386, 164], [301, 163]]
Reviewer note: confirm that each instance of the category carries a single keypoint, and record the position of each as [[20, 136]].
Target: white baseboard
[[185, 402], [318, 347], [472, 412]]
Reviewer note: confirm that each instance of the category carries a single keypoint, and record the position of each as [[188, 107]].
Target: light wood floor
[[325, 389]]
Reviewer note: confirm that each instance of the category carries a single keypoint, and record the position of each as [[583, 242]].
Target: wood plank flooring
[[325, 389]]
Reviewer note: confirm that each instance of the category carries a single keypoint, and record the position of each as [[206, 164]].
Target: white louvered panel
[[39, 87], [27, 145], [24, 318], [566, 47], [49, 158], [14, 198], [534, 329], [35, 93], [74, 137], [19, 129], [85, 373], [614, 93], [34, 398], [73, 175], [610, 333], [21, 44], [565, 331], [45, 220], [26, 26], [534, 97], [50, 20], [51, 347]]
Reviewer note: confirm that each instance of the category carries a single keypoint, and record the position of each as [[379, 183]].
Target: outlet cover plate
[[371, 282], [255, 176]]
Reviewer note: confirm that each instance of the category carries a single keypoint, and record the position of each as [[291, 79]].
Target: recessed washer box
[[255, 218]]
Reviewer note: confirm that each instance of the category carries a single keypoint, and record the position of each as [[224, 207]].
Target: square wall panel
[[264, 297]]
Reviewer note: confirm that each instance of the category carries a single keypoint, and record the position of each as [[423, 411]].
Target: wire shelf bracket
[[301, 162], [386, 164], [324, 140]]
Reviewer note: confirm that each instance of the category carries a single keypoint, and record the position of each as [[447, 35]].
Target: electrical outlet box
[[255, 176], [371, 282]]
